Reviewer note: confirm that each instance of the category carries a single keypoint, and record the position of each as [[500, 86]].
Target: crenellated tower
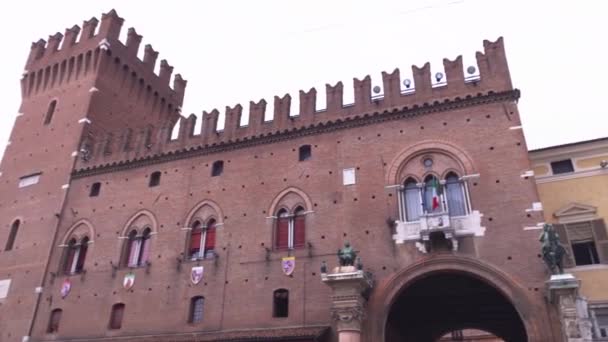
[[78, 88]]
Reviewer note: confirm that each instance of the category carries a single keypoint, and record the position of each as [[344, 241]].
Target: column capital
[[348, 318]]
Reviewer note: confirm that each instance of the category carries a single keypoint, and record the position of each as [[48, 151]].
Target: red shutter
[[145, 253], [299, 231], [69, 260], [282, 233], [82, 256], [195, 241], [601, 239], [210, 238]]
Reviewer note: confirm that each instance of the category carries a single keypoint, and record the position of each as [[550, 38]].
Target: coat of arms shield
[[196, 275], [65, 288], [288, 265], [128, 281]]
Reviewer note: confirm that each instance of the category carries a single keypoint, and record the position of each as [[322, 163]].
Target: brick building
[[105, 217]]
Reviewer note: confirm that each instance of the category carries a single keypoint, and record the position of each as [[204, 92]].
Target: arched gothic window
[[76, 254], [413, 208], [290, 229], [202, 240], [137, 248], [456, 194], [433, 196]]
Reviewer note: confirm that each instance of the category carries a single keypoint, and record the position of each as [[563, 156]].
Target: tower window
[[12, 235], [290, 229], [49, 112], [54, 321], [29, 180], [280, 303], [137, 248], [196, 309], [217, 168], [95, 189], [562, 166], [202, 240], [154, 179], [76, 255], [118, 311], [305, 152]]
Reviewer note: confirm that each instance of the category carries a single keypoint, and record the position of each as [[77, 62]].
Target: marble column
[[349, 287], [572, 308]]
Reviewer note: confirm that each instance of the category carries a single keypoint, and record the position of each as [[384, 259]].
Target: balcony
[[452, 228]]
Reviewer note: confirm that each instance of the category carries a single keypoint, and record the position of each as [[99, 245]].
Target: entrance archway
[[446, 301], [453, 292]]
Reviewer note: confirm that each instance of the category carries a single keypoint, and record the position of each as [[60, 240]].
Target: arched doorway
[[441, 302], [445, 273]]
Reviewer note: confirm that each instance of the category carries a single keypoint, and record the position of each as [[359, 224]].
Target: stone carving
[[347, 255], [552, 250], [347, 314]]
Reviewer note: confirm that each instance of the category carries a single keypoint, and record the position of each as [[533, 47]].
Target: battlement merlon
[[424, 94], [63, 49]]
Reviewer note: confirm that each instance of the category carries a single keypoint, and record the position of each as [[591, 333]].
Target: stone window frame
[[442, 178], [204, 227]]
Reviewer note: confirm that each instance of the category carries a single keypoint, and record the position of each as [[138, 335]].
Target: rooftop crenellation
[[78, 53], [421, 95]]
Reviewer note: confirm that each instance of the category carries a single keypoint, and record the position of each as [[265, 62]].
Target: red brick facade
[[112, 125]]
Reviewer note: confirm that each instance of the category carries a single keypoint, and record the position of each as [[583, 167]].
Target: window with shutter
[[601, 239], [82, 255], [145, 247], [195, 240], [70, 255], [210, 237], [135, 248], [282, 232], [563, 239], [299, 229], [582, 243]]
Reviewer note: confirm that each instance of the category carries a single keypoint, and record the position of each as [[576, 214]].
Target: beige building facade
[[572, 183]]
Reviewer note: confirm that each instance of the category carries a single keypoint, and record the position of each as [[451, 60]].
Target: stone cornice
[[363, 119]]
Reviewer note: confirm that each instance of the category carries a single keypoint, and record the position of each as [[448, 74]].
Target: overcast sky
[[236, 51]]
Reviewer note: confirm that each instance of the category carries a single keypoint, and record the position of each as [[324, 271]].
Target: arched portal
[[430, 292], [442, 302]]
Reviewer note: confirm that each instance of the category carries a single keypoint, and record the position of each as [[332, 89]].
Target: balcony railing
[[453, 227]]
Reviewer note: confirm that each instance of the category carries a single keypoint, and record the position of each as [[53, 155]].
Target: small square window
[[562, 166], [95, 189], [348, 176], [154, 179], [29, 180], [305, 152], [217, 168]]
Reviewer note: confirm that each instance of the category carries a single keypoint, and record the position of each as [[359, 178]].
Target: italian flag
[[436, 192]]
